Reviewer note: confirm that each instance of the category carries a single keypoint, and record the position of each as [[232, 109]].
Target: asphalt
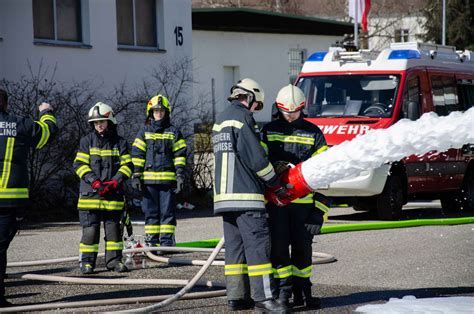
[[371, 267]]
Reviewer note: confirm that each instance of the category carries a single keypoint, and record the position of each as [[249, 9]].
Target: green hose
[[359, 227]]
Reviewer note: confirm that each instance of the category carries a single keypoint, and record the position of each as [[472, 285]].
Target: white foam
[[412, 305], [376, 147]]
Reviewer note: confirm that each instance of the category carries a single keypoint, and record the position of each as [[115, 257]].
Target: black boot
[[240, 305], [297, 296], [270, 306]]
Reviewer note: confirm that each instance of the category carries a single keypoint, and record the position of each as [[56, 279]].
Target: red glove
[[112, 184], [96, 184]]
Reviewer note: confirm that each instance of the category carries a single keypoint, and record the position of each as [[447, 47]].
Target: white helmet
[[290, 99], [100, 112], [247, 87]]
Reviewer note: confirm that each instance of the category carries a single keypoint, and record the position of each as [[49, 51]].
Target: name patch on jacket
[[222, 142], [7, 128]]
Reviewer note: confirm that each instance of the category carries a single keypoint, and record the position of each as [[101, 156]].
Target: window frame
[[159, 25], [83, 28], [294, 68]]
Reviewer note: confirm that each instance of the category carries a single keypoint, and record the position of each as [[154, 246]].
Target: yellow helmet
[[157, 102], [290, 99], [100, 112]]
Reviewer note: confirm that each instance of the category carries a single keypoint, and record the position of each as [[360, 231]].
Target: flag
[[363, 8]]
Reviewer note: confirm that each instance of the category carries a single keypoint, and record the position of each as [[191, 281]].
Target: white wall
[[103, 62], [263, 57], [413, 23]]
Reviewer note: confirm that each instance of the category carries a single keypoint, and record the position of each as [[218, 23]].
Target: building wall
[[103, 62], [388, 26], [263, 57]]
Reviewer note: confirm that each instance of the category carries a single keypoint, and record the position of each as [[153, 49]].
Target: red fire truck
[[349, 93]]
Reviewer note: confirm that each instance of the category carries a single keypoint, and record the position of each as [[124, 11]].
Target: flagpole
[[356, 28], [443, 35]]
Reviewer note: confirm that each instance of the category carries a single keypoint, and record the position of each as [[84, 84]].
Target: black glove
[[281, 166], [136, 181], [278, 191], [314, 222], [179, 184]]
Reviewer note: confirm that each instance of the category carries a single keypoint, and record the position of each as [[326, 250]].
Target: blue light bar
[[317, 56], [404, 54]]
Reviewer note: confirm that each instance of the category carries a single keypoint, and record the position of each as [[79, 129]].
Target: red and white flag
[[363, 8]]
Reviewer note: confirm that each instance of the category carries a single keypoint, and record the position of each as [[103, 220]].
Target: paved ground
[[371, 267]]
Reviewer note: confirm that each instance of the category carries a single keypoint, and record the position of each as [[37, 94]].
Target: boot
[[5, 303], [120, 268], [310, 301], [87, 269], [270, 306], [240, 305]]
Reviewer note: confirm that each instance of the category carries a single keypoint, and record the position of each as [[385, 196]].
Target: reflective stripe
[[226, 124], [13, 193], [290, 139], [7, 162], [283, 272], [266, 173], [126, 171], [178, 145], [113, 246], [223, 178], [88, 248], [82, 170], [265, 147], [320, 150], [104, 152], [321, 206], [302, 273], [85, 158], [239, 196], [99, 204], [259, 270], [152, 229], [308, 199], [125, 159], [235, 269], [48, 117], [230, 173], [138, 162], [168, 228], [161, 176], [179, 161], [159, 136], [44, 134], [138, 143], [239, 204]]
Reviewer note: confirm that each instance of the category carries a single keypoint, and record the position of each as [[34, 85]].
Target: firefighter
[[17, 136], [241, 172], [159, 157], [289, 140], [102, 163]]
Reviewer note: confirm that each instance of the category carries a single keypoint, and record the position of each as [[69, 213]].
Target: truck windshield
[[350, 95]]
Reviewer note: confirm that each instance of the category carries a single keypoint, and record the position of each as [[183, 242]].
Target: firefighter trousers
[[89, 246], [248, 270], [160, 217], [287, 229], [8, 229]]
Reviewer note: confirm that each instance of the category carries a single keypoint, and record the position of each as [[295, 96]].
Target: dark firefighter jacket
[[17, 136], [102, 158], [241, 165], [159, 152], [295, 142]]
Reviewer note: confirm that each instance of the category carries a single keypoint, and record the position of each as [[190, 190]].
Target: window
[[401, 35], [445, 98], [411, 94], [296, 58], [136, 23], [57, 21], [466, 93]]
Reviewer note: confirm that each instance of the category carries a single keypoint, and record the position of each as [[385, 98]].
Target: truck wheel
[[391, 200], [462, 199], [365, 204]]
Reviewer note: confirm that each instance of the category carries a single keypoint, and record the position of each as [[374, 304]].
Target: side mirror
[[413, 112]]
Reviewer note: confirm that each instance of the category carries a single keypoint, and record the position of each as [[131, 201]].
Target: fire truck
[[351, 92]]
